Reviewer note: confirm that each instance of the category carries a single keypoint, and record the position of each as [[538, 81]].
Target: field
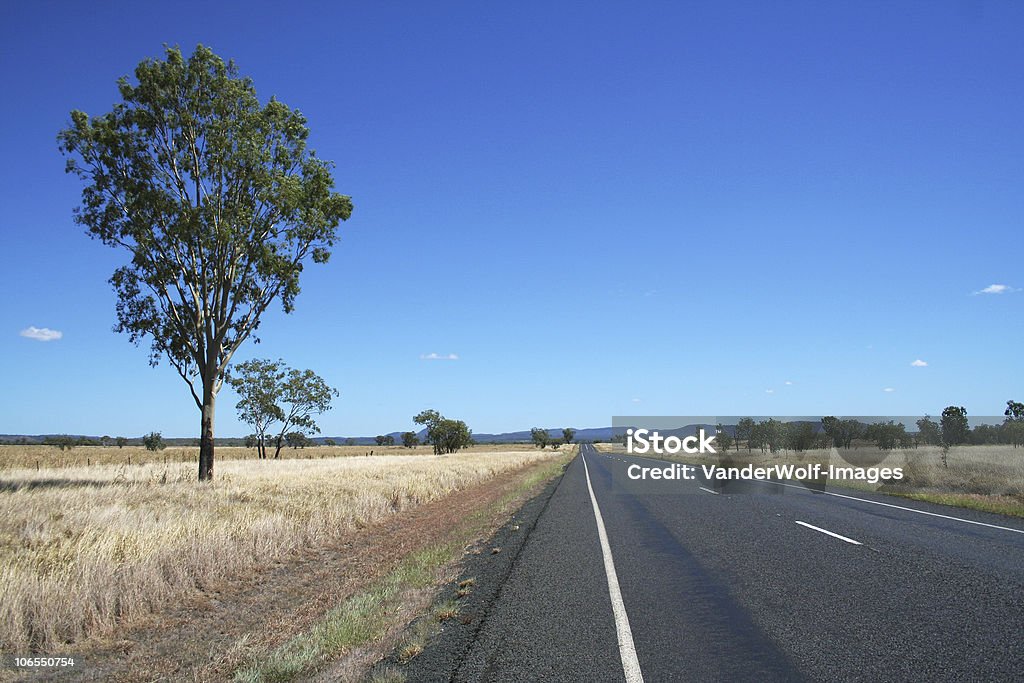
[[86, 548], [38, 456]]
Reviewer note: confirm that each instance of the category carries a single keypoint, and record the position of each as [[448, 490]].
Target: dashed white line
[[627, 651], [920, 512], [708, 490], [830, 533]]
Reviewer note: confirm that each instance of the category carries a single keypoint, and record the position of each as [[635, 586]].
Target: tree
[[64, 442], [121, 442], [219, 204], [274, 394], [954, 425], [295, 440], [928, 431], [330, 442], [251, 441], [154, 441], [1013, 425], [744, 432], [409, 439], [540, 437], [105, 440], [379, 439], [259, 385], [723, 437], [446, 435], [568, 434]]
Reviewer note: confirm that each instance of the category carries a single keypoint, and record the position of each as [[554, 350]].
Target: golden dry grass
[[84, 548], [29, 457]]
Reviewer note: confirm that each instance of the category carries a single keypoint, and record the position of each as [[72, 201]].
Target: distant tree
[[723, 437], [928, 431], [251, 441], [217, 200], [64, 442], [744, 432], [296, 440], [888, 435], [379, 439], [389, 440], [556, 444], [568, 434], [446, 435], [154, 441], [259, 384], [954, 425], [799, 436], [121, 442], [350, 442], [409, 439], [330, 442], [1013, 425], [540, 437], [105, 440]]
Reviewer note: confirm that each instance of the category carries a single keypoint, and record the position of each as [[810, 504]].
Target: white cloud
[[43, 334], [997, 289], [769, 391], [888, 390], [636, 400], [788, 383], [439, 356], [919, 363]]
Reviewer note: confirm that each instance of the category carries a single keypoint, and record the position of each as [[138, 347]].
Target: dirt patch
[[209, 635]]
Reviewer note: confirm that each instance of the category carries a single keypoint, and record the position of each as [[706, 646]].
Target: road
[[785, 584]]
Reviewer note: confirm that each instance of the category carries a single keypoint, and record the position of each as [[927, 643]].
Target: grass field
[[85, 548], [31, 457]]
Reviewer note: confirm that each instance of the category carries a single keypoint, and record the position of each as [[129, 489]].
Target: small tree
[[409, 439], [121, 442], [154, 441], [540, 437], [330, 442], [928, 431], [1013, 425], [446, 435], [251, 441], [568, 434], [296, 440], [955, 427], [744, 432], [379, 439]]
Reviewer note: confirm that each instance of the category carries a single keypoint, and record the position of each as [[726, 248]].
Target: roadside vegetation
[[83, 549]]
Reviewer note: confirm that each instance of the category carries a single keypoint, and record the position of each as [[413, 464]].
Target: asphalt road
[[779, 584]]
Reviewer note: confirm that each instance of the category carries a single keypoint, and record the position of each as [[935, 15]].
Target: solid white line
[[920, 512], [708, 490], [826, 531], [630, 664]]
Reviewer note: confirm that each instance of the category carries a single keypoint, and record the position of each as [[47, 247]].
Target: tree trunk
[[206, 438]]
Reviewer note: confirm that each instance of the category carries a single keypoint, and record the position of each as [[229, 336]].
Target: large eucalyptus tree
[[216, 200]]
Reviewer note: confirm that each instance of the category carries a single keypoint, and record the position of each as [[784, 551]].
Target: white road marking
[[920, 512], [826, 531], [708, 490], [627, 651]]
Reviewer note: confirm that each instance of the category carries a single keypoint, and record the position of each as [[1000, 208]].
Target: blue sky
[[603, 209]]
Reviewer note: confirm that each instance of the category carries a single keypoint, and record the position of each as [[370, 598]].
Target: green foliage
[[928, 431], [409, 439], [121, 442], [568, 434], [744, 432], [540, 437], [154, 441], [296, 439], [724, 440], [954, 425], [272, 394], [217, 201], [446, 435], [888, 435], [63, 441]]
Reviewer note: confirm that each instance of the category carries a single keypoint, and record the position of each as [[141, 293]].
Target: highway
[[695, 584]]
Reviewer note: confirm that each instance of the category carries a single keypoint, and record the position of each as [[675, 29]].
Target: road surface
[[785, 584]]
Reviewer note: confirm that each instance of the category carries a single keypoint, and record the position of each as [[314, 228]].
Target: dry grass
[[30, 457], [82, 549]]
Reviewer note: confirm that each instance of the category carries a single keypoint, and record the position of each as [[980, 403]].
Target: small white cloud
[[43, 334], [769, 391], [997, 289], [439, 356], [636, 400], [919, 363], [788, 383], [888, 390]]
